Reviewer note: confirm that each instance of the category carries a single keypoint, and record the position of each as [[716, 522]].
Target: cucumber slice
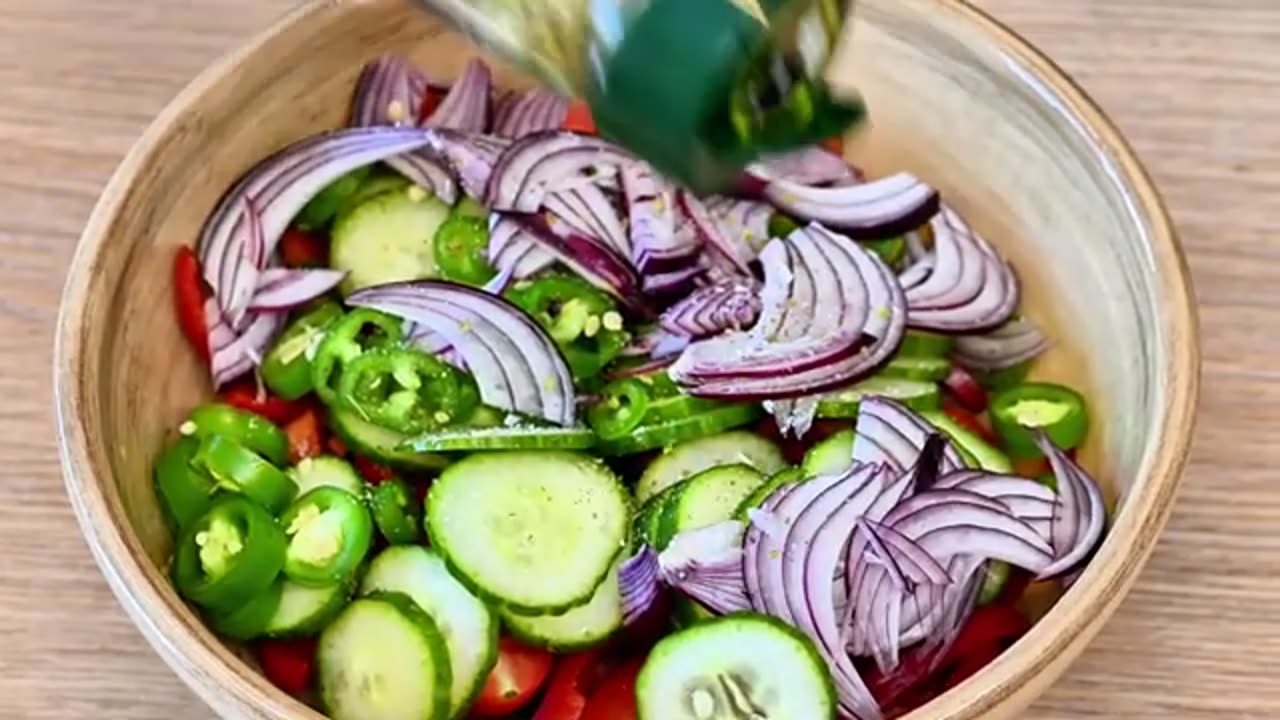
[[684, 429], [383, 658], [305, 610], [707, 498], [993, 582], [832, 455], [380, 182], [737, 666], [579, 628], [930, 369], [326, 471], [533, 531], [976, 450], [915, 394], [387, 238], [690, 458], [469, 629], [380, 443], [503, 438], [785, 476], [647, 523]]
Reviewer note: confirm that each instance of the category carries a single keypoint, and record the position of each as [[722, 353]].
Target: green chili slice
[[1056, 409], [240, 470], [185, 492], [329, 532], [286, 368], [396, 512], [229, 556]]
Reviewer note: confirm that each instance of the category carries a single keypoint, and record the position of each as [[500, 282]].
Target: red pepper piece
[[962, 386], [189, 296], [616, 698], [247, 396], [566, 697], [303, 250], [989, 625], [306, 435], [336, 446], [374, 473], [579, 119], [431, 100], [288, 664], [969, 421]]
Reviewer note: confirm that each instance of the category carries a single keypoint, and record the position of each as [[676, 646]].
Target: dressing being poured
[[698, 89]]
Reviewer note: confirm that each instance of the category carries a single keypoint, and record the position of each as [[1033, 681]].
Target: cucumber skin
[[491, 639], [786, 476], [389, 255], [816, 461], [670, 520], [517, 625], [347, 427], [433, 638], [652, 481], [319, 620], [501, 604], [815, 659]]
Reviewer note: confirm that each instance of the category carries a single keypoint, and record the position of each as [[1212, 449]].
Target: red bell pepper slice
[[189, 296], [579, 119], [247, 396], [375, 473], [969, 421], [431, 100], [616, 698], [566, 697], [306, 435], [288, 664], [299, 249]]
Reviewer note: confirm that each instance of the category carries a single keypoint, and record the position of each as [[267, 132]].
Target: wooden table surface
[[1194, 83]]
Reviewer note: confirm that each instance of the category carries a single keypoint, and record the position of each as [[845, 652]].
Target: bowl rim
[[209, 668]]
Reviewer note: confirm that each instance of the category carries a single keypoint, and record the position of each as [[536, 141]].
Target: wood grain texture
[[1194, 85]]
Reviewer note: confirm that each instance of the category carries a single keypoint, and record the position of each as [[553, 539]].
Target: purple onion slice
[[389, 91], [287, 288], [1017, 341], [521, 112], [874, 210], [466, 106], [968, 286]]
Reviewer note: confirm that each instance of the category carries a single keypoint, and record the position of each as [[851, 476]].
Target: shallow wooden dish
[[955, 97]]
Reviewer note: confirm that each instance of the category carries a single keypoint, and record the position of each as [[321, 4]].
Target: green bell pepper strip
[[622, 407], [322, 208], [781, 225], [408, 391], [667, 433], [240, 470], [229, 556], [329, 533], [1056, 409], [891, 250], [355, 333], [994, 581], [922, 344], [583, 321], [240, 426], [461, 249], [251, 619], [185, 492], [396, 512], [286, 368], [1004, 378]]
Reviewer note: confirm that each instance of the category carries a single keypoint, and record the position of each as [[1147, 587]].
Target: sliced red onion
[[466, 106], [675, 283], [542, 163], [515, 363], [1013, 343], [969, 286], [426, 171], [638, 584], [272, 193], [1027, 499], [898, 434], [808, 166], [964, 528], [589, 212], [747, 220], [514, 250], [875, 210], [655, 244], [521, 112], [286, 288], [1080, 516], [469, 156], [644, 368], [591, 258], [706, 565], [916, 247], [712, 309], [245, 349], [832, 312], [732, 253], [389, 91]]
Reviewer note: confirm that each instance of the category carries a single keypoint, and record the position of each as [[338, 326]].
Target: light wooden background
[[1194, 83]]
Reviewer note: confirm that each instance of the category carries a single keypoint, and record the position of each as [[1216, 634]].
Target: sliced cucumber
[[579, 628], [737, 666], [326, 471], [690, 458], [930, 369], [666, 433], [387, 238], [533, 531], [469, 629], [305, 610], [380, 182], [922, 344], [319, 210], [832, 455], [978, 451], [707, 498], [993, 582], [383, 658], [785, 476], [915, 394], [648, 520], [380, 443], [503, 438]]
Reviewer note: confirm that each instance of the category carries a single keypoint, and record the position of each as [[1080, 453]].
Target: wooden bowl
[[955, 98]]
